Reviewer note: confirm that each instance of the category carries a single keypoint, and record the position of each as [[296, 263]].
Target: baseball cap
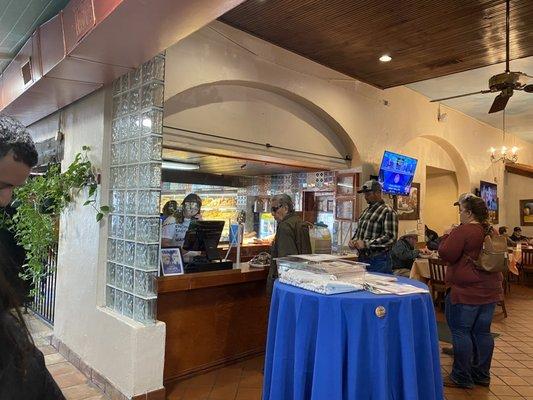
[[370, 186], [463, 197]]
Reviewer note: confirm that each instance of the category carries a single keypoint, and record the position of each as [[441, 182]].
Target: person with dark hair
[[432, 238], [177, 222], [517, 235], [292, 234], [23, 373], [472, 295], [377, 230], [502, 230]]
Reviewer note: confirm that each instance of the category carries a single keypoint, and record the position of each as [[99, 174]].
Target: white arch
[[324, 123]]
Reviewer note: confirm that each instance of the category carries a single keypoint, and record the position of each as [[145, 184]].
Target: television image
[[489, 193], [396, 173]]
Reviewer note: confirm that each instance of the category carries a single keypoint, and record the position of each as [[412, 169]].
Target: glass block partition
[[135, 190]]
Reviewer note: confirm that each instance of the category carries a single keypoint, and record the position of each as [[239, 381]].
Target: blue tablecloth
[[335, 347]]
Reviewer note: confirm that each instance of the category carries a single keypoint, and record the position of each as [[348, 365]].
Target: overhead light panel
[[180, 166], [385, 58]]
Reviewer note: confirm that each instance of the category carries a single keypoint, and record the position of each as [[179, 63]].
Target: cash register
[[204, 236]]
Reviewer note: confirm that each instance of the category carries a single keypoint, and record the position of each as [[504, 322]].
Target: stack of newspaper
[[331, 275]]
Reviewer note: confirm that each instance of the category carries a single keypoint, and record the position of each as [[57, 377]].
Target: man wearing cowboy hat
[[403, 253]]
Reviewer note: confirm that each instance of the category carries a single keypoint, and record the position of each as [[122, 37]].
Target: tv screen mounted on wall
[[396, 173]]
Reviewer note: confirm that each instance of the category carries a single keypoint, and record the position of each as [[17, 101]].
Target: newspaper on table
[[327, 274]]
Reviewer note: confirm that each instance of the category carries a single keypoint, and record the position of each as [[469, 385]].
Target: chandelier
[[504, 153]]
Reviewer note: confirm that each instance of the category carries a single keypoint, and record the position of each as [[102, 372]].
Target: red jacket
[[468, 284]]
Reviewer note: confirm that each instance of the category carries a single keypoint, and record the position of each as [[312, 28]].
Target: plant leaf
[[104, 209], [99, 217]]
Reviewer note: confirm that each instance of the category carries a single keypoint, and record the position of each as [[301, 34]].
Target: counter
[[212, 318]]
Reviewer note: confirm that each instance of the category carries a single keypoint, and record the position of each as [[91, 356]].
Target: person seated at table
[[432, 238], [472, 295], [292, 235], [517, 235], [502, 230], [404, 253]]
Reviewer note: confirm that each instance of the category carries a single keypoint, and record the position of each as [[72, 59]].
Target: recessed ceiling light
[[385, 58]]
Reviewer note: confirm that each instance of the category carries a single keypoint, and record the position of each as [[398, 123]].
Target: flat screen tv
[[489, 193], [396, 173]]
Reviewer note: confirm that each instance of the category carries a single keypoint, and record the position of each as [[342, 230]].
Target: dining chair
[[437, 270]]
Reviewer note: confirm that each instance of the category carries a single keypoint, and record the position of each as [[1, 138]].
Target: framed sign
[[408, 207], [345, 185], [171, 261], [345, 209], [526, 212]]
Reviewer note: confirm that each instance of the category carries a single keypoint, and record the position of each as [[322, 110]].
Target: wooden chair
[[526, 264], [437, 270]]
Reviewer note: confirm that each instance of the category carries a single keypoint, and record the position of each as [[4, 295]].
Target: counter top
[[199, 280]]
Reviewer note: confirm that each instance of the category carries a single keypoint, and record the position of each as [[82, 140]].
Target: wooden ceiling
[[425, 38]]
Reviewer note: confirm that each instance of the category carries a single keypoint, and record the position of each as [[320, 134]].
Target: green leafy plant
[[39, 204]]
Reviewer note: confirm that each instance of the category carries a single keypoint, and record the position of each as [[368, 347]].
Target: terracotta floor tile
[[226, 391], [79, 392], [70, 379], [502, 371], [524, 373], [248, 394], [502, 390], [207, 379], [61, 368], [524, 390], [54, 359], [196, 393], [516, 381], [251, 380]]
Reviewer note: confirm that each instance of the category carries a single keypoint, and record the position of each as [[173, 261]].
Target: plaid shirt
[[377, 227]]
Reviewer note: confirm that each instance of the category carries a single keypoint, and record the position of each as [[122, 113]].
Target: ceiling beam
[[520, 169]]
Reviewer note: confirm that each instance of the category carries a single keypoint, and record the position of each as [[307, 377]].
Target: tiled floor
[[242, 381], [72, 382], [512, 368]]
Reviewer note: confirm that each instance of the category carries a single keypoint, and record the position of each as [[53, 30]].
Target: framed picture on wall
[[408, 207], [171, 261], [526, 212], [345, 184], [345, 209]]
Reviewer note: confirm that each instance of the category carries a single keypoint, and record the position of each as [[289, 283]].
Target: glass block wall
[[135, 189]]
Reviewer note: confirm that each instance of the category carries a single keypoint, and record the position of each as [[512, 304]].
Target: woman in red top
[[472, 296]]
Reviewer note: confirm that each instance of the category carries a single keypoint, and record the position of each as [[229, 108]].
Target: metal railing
[[44, 299]]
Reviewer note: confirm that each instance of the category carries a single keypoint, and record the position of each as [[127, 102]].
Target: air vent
[[26, 72]]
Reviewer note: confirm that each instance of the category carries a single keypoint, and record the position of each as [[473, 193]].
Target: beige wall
[[206, 74], [441, 193], [517, 188], [127, 353]]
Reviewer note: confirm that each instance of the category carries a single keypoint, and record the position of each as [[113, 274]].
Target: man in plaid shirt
[[377, 230]]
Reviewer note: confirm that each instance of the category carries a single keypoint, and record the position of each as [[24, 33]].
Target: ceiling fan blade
[[499, 103], [461, 95], [528, 88]]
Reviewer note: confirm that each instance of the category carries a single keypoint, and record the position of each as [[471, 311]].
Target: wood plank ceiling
[[425, 38]]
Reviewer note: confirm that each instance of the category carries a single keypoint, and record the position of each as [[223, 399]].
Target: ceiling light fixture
[[180, 166], [506, 155], [385, 58]]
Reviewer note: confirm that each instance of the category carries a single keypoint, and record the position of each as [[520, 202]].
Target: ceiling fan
[[505, 83]]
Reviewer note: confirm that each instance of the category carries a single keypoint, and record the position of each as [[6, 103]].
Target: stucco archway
[[300, 107]]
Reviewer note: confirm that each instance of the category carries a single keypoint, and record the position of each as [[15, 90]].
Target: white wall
[[518, 188], [127, 353], [373, 119]]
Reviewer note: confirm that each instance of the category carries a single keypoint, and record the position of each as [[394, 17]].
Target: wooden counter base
[[212, 318]]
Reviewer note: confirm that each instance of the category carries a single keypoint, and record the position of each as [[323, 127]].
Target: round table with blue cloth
[[336, 347]]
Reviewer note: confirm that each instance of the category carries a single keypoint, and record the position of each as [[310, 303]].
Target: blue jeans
[[473, 343], [379, 263]]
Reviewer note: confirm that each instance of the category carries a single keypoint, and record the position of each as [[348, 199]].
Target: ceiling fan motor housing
[[513, 80]]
